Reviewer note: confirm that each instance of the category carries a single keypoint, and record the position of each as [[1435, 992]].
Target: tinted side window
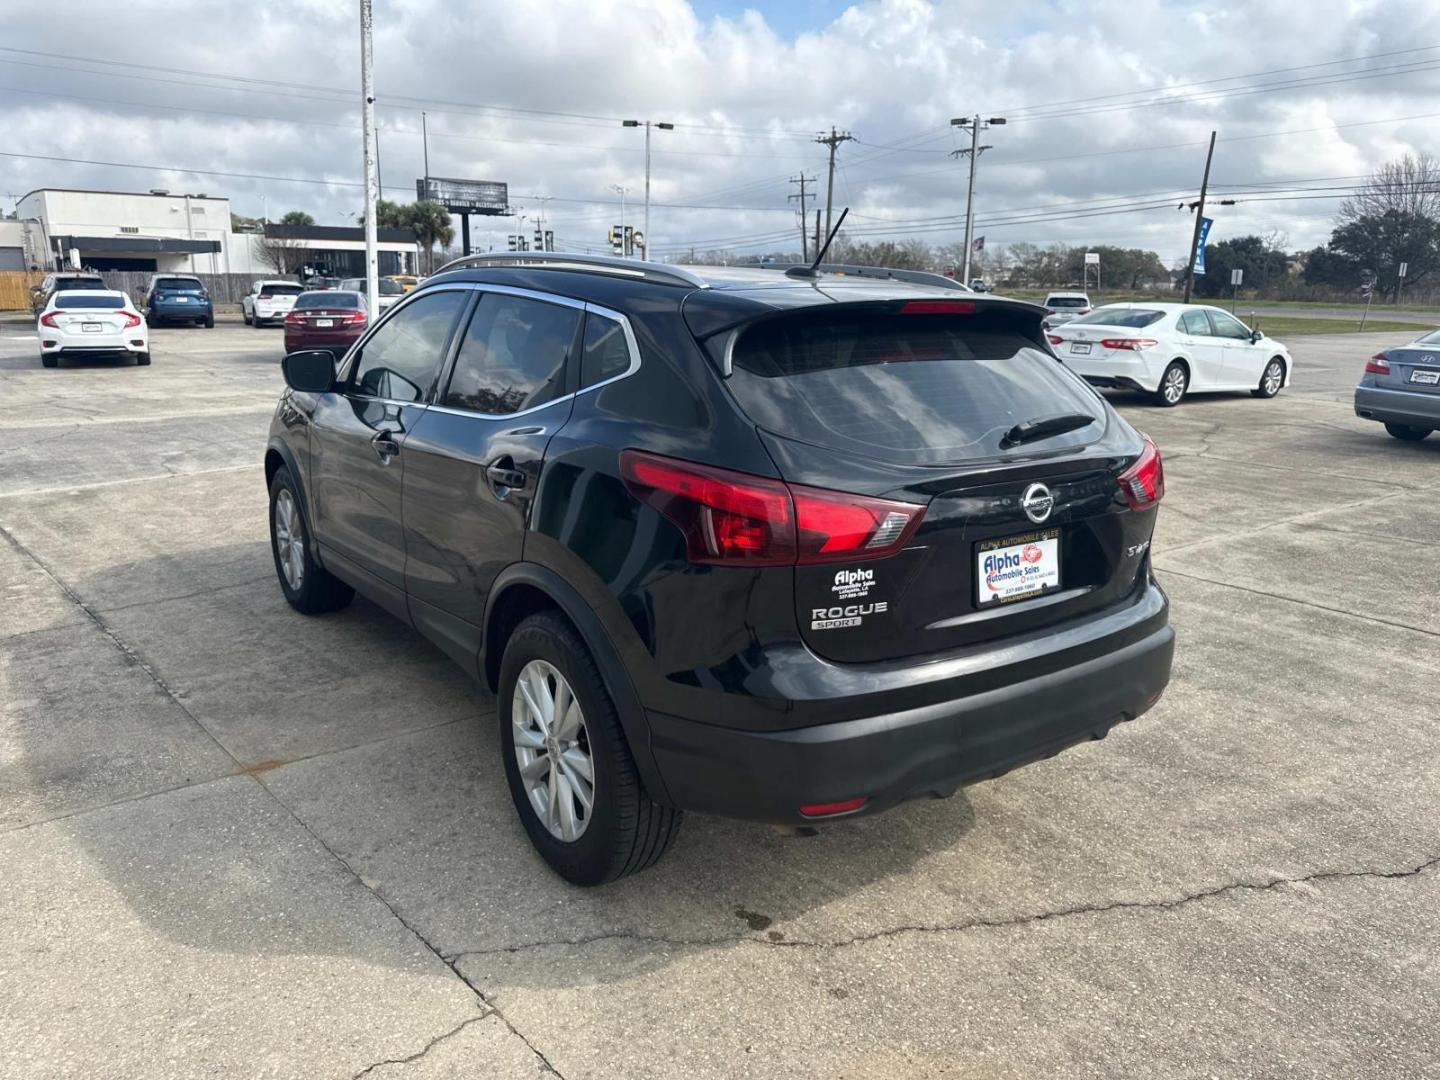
[[401, 358], [513, 355], [1228, 327], [606, 352], [1194, 322]]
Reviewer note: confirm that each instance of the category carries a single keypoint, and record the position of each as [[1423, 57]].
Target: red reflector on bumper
[[829, 809]]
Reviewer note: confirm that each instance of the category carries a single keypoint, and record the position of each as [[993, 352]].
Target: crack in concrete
[[412, 1058], [965, 924], [1302, 603]]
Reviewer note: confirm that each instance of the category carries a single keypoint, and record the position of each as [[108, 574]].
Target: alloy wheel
[[1174, 388], [552, 748], [1273, 377], [289, 539]]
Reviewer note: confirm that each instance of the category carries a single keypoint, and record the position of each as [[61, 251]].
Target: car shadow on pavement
[[386, 755]]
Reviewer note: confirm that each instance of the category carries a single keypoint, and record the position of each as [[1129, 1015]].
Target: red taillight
[[131, 319], [830, 809], [1133, 344], [1379, 364], [48, 319], [354, 318], [937, 307], [295, 318], [732, 517], [1055, 339], [1143, 483]]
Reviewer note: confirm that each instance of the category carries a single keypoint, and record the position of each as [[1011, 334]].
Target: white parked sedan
[[89, 324], [269, 301], [1170, 350]]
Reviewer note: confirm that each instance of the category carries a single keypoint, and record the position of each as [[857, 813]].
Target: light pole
[[372, 174], [976, 125], [648, 124], [621, 190]]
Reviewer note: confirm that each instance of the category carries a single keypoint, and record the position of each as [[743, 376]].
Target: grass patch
[[1279, 326]]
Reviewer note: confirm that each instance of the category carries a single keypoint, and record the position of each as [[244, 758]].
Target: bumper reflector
[[830, 809]]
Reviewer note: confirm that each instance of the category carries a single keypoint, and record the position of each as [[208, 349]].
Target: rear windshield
[[1134, 318], [328, 299], [909, 389], [1067, 301], [80, 283], [282, 290], [1432, 338], [179, 284], [104, 301]]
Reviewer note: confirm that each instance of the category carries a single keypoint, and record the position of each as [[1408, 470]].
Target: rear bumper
[[335, 343], [1397, 406], [891, 757], [122, 341], [1132, 372], [181, 311]]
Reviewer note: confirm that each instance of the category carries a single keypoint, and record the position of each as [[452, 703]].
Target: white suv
[[1064, 306], [269, 301]]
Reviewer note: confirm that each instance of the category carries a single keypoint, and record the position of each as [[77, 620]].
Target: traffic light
[[549, 240], [539, 240], [511, 240], [629, 241], [617, 239]]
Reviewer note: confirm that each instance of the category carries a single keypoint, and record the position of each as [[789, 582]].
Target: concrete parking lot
[[238, 842]]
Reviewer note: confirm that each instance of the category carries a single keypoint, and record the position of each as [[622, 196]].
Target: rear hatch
[[1414, 368], [82, 315], [279, 297], [179, 290], [918, 402]]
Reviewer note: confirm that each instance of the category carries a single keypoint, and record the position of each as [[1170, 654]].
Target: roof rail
[[914, 277], [660, 273]]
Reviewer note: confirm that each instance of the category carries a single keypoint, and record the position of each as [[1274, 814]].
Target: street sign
[[465, 196], [1237, 276], [1092, 258], [1404, 266]]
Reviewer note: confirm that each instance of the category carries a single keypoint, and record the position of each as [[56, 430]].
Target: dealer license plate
[[1425, 378], [324, 322], [91, 328], [182, 299], [1017, 567], [1080, 348]]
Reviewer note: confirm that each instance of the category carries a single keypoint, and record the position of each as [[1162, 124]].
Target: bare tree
[[280, 254], [1409, 186]]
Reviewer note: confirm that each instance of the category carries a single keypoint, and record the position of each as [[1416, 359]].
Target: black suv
[[779, 546]]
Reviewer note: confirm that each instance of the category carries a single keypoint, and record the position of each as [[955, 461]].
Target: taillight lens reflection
[[1131, 344], [1379, 364], [1143, 483], [732, 517]]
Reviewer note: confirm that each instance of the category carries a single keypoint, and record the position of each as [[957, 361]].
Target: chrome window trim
[[583, 306]]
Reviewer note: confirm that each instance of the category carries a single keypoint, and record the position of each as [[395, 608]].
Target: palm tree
[[297, 217], [432, 225]]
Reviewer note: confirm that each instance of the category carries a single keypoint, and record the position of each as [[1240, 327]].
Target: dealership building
[[161, 230]]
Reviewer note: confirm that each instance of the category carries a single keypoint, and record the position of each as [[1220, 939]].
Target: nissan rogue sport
[[786, 546]]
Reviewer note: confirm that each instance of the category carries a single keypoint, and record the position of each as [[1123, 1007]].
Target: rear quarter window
[[908, 389]]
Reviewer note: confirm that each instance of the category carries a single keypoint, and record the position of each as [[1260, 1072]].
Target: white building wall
[[120, 214]]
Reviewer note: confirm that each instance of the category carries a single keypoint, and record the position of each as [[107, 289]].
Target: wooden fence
[[15, 289], [224, 288]]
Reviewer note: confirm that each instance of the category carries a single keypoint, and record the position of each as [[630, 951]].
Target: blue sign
[[1205, 224]]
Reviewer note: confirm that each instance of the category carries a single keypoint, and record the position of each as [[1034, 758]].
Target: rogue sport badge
[[1037, 502]]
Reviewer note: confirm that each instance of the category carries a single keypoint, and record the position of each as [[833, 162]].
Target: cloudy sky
[[1109, 105]]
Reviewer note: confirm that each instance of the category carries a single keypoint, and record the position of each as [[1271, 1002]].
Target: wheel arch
[[523, 589], [277, 455]]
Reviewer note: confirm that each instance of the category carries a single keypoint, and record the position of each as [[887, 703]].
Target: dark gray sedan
[[1401, 389]]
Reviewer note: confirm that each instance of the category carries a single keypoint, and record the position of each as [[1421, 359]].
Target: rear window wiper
[[1043, 428]]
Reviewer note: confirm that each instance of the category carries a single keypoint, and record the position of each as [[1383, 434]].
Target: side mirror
[[310, 370], [1255, 336]]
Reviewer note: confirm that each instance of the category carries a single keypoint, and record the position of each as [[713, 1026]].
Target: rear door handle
[[385, 446], [504, 477]]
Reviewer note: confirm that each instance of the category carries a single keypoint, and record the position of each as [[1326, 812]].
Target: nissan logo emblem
[[1037, 502]]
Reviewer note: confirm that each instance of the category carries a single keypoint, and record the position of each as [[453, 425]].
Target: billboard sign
[[465, 196]]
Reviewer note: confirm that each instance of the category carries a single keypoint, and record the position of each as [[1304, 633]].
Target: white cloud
[[884, 69]]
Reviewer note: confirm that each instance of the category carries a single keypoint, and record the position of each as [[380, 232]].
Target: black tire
[[317, 590], [1271, 379], [50, 361], [209, 322], [1407, 433], [142, 359], [245, 315], [255, 322], [1176, 377], [626, 831]]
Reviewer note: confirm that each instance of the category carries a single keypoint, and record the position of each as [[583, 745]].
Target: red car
[[330, 319]]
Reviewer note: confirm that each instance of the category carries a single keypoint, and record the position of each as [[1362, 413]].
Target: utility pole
[[833, 141], [425, 148], [1199, 217], [372, 175], [976, 124], [623, 246], [802, 180], [817, 232]]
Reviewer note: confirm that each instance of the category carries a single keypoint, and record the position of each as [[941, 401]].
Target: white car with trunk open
[[1170, 350]]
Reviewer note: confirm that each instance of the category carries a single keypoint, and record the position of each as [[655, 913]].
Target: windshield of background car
[[1066, 302], [907, 389], [330, 298], [100, 301], [178, 284], [391, 288], [79, 283], [282, 290], [1134, 318]]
